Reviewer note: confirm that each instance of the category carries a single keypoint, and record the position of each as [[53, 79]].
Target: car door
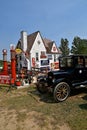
[[85, 68], [79, 75]]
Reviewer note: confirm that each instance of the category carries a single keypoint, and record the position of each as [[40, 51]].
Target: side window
[[80, 62], [85, 61], [63, 62], [69, 62], [37, 57], [50, 57], [20, 57]]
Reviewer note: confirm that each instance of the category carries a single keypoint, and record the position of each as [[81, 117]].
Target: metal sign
[[4, 79], [44, 62], [18, 51]]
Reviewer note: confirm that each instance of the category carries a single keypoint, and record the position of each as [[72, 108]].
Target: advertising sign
[[18, 51], [4, 79], [33, 62], [44, 62], [55, 65]]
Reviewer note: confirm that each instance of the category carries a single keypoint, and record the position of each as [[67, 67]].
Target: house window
[[50, 57], [80, 62], [20, 57], [38, 42], [54, 58], [37, 57], [43, 53], [20, 66]]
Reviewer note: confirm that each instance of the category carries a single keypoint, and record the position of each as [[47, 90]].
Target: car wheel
[[41, 87], [61, 92]]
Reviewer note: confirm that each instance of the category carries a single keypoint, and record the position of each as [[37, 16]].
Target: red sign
[[56, 65], [33, 62], [4, 79]]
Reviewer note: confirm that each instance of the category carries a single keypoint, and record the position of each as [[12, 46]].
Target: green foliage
[[79, 46], [64, 47], [1, 63]]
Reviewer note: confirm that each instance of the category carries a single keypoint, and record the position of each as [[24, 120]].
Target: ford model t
[[72, 74]]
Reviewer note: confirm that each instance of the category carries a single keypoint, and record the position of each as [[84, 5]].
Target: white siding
[[37, 47], [54, 46]]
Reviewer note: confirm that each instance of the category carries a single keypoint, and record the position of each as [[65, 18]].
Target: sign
[[4, 79], [18, 51], [33, 62], [44, 62], [54, 48], [55, 65]]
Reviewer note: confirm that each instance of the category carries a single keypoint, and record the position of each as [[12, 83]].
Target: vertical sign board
[[56, 65], [4, 79], [33, 62]]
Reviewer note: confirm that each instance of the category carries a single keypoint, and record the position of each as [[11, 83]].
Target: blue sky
[[55, 19]]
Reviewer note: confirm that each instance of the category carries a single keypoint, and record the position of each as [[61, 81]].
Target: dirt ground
[[11, 119]]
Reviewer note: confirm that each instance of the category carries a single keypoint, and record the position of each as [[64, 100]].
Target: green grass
[[73, 111]]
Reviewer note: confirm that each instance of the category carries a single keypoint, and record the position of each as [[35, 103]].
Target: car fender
[[61, 80]]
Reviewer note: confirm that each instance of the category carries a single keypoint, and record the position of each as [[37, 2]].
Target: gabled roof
[[48, 44], [30, 40], [18, 44]]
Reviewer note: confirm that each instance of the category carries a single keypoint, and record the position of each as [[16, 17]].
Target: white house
[[37, 52]]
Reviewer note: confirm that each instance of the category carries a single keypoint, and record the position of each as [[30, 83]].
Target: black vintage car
[[72, 74]]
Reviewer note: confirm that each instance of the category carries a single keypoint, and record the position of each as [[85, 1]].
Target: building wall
[[37, 47]]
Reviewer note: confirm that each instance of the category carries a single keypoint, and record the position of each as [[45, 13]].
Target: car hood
[[59, 73]]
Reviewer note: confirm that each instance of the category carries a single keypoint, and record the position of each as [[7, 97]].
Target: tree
[[79, 46], [64, 47], [1, 64]]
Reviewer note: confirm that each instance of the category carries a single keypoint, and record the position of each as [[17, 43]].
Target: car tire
[[61, 92], [41, 87]]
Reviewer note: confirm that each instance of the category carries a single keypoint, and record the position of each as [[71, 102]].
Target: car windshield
[[66, 62]]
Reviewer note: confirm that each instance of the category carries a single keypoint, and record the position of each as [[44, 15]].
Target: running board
[[81, 86]]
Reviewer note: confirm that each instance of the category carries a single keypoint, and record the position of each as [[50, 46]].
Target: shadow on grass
[[85, 97], [48, 97], [78, 91], [84, 106]]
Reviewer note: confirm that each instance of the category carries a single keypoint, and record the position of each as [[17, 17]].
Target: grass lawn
[[26, 109]]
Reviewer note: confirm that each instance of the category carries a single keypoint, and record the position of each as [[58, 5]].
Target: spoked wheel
[[61, 92], [42, 87]]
